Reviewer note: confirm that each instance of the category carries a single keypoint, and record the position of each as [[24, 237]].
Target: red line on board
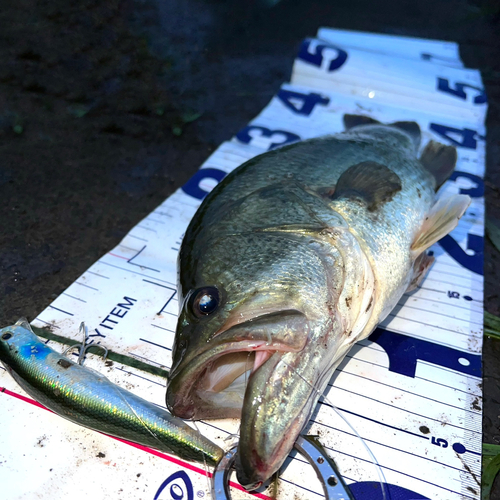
[[119, 256], [151, 451]]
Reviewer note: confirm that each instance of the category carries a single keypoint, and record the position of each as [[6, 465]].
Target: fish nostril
[[6, 336]]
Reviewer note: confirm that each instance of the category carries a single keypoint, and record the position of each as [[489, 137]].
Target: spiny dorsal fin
[[442, 219], [373, 182], [412, 129], [439, 160], [351, 121]]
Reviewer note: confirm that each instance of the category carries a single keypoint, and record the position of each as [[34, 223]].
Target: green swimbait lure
[[88, 398]]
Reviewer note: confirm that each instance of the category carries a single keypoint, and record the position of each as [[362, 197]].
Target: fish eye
[[205, 301], [6, 336]]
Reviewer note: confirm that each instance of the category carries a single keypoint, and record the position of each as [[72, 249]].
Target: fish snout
[[178, 406]]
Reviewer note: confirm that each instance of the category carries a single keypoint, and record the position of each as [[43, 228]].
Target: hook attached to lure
[[85, 345]]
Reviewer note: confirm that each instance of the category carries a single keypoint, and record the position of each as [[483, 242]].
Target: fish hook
[[84, 346], [310, 448]]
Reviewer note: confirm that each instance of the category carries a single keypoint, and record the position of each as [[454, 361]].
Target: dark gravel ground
[[98, 101]]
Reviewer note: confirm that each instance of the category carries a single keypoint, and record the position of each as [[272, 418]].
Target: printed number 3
[[264, 136]]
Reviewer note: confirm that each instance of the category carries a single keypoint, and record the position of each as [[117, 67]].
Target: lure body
[[88, 398]]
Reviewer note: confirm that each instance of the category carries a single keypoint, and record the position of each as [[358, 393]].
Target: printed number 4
[[302, 104], [465, 138]]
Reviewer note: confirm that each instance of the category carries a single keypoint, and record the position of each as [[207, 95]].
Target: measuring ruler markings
[[446, 273], [305, 109], [474, 313], [359, 373], [393, 445], [369, 359]]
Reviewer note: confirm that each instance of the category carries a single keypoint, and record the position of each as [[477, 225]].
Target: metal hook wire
[[84, 346]]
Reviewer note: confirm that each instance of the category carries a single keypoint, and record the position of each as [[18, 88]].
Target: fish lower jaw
[[254, 469]]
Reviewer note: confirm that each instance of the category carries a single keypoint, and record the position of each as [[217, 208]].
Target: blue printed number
[[274, 138], [462, 137], [443, 84], [475, 244], [314, 52], [302, 104], [404, 352], [177, 486], [439, 442], [474, 192], [193, 186], [371, 490]]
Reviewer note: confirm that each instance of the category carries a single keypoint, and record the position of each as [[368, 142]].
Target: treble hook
[[84, 346], [333, 484]]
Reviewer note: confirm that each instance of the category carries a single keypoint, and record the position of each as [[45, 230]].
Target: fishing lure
[[88, 398]]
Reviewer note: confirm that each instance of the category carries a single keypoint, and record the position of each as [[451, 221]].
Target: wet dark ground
[[106, 107]]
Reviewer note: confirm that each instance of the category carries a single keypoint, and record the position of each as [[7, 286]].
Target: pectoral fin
[[421, 266], [442, 219], [371, 181]]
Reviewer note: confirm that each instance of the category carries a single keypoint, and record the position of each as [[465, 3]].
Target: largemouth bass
[[295, 256], [88, 398]]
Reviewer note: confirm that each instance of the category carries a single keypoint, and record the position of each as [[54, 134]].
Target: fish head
[[260, 329], [241, 301]]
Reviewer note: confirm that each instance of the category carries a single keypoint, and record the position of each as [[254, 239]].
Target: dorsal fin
[[412, 129], [351, 121], [442, 218], [373, 182], [439, 160]]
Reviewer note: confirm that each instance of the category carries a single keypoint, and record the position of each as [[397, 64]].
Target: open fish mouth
[[213, 383]]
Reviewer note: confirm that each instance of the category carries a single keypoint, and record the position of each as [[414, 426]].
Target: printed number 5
[[316, 53], [439, 442], [459, 90]]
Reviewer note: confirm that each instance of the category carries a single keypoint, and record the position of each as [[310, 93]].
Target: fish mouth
[[213, 383]]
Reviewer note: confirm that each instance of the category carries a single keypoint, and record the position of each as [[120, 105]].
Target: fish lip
[[232, 324], [182, 398]]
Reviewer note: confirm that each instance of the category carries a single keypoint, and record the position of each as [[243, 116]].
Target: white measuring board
[[412, 391]]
